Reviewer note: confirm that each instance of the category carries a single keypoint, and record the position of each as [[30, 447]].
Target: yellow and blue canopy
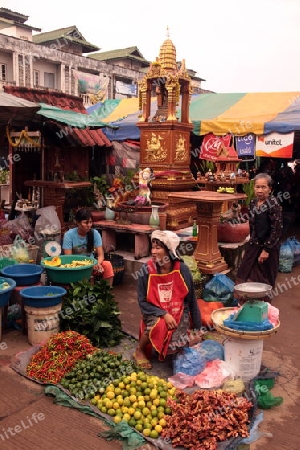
[[236, 113]]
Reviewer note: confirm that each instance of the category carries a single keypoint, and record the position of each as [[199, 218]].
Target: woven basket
[[32, 253], [118, 264], [218, 318], [198, 286]]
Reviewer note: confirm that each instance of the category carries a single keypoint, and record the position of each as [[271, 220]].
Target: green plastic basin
[[68, 275]]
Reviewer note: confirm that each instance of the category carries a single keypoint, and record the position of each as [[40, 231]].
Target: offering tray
[[252, 290]]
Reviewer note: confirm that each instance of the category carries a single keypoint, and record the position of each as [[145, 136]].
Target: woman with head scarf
[[85, 240], [167, 300]]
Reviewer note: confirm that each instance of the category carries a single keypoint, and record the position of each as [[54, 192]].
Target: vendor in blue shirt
[[84, 240]]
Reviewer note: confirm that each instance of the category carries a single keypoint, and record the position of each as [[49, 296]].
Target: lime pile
[[95, 372], [139, 399]]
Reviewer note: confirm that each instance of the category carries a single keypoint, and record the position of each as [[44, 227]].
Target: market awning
[[15, 110], [71, 118], [240, 114], [236, 113]]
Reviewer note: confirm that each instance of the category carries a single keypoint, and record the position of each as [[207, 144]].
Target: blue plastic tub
[[42, 296], [6, 293], [23, 274]]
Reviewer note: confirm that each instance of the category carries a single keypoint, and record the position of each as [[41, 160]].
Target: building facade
[[55, 60]]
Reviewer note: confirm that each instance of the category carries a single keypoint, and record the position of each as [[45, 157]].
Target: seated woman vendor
[[84, 240], [167, 300]]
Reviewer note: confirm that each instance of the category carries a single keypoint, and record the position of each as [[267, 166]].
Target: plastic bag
[[247, 326], [5, 238], [48, 223], [211, 349], [20, 227], [19, 250], [182, 380], [265, 399], [295, 245], [286, 257], [273, 314], [206, 309], [255, 433], [214, 375], [190, 361], [220, 288], [236, 386]]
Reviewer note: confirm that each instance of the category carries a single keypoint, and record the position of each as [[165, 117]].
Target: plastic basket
[[118, 264], [63, 275]]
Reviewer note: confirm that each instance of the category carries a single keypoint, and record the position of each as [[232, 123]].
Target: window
[[36, 78], [3, 72], [49, 80]]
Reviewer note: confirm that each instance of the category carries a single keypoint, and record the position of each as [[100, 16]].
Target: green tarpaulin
[[71, 118]]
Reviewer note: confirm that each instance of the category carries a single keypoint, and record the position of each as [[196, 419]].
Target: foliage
[[100, 183], [248, 188], [4, 173], [204, 165], [91, 310]]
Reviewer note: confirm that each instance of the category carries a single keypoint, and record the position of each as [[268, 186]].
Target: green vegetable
[[91, 310]]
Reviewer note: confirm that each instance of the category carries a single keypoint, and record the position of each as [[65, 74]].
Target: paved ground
[[43, 425]]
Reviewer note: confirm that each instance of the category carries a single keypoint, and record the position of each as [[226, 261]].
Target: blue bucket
[[23, 274], [42, 296]]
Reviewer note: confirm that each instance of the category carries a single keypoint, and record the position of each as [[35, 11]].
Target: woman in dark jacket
[[261, 259]]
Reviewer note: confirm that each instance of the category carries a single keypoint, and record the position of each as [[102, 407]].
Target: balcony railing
[[6, 83]]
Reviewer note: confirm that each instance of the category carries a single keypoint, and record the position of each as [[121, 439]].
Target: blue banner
[[245, 145]]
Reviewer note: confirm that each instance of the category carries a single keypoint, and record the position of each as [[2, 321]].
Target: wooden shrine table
[[209, 207], [109, 228]]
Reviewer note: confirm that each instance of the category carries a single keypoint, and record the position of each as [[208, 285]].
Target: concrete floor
[[66, 428]]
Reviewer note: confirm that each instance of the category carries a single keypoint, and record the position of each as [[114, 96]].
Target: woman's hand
[[98, 266], [263, 256], [170, 321]]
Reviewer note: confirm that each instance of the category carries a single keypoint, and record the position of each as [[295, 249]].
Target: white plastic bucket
[[244, 356], [42, 323]]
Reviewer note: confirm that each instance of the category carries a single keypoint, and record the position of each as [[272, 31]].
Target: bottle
[[195, 229], [154, 217]]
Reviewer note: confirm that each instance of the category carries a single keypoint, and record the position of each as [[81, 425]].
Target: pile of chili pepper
[[202, 419], [58, 356]]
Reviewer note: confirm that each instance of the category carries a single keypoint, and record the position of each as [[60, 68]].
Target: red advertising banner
[[210, 146]]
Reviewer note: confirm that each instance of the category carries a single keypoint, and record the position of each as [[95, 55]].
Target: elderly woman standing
[[166, 298], [261, 259]]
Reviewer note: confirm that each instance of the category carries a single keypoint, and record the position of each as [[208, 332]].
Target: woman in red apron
[[167, 300]]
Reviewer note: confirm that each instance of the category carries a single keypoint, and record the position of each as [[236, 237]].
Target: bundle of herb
[[91, 310]]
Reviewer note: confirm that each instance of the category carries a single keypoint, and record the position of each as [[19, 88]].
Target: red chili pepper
[[58, 356]]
